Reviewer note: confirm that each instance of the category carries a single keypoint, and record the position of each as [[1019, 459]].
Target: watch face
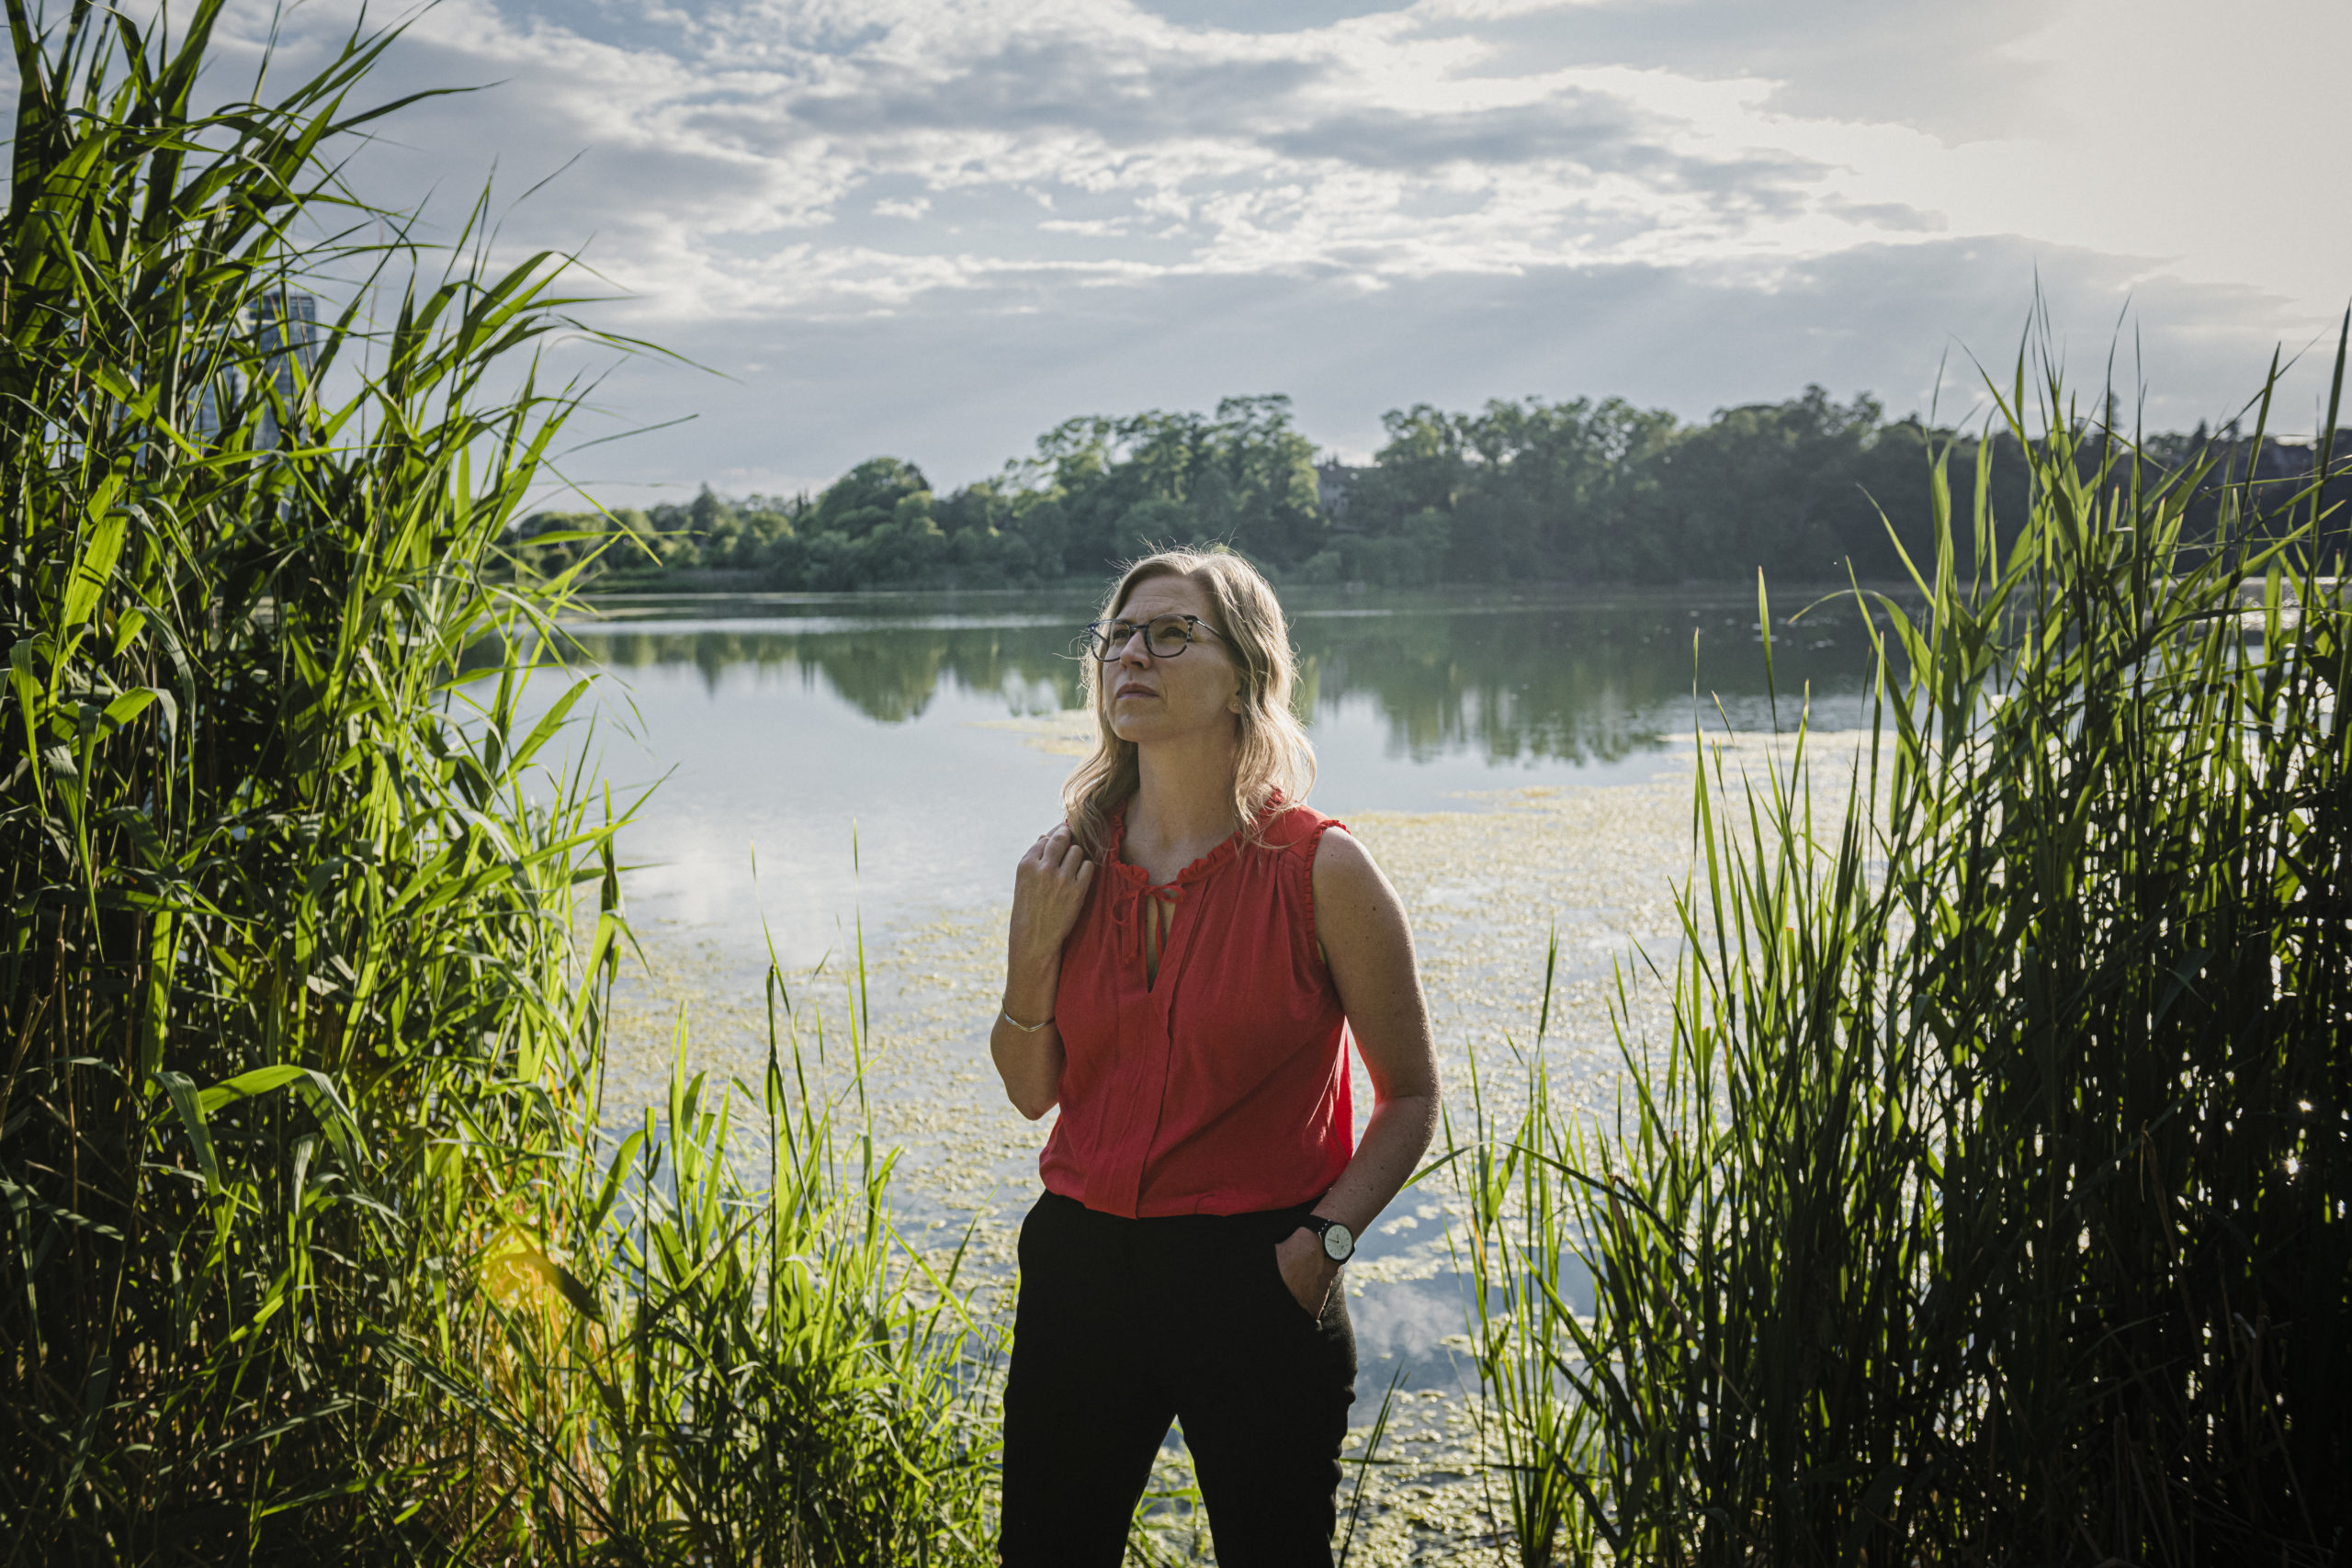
[[1338, 1242]]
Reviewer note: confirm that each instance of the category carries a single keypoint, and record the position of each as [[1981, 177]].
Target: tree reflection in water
[[1511, 678]]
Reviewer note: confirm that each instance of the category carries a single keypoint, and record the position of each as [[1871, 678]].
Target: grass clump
[[724, 1370], [316, 1246], [1987, 1202]]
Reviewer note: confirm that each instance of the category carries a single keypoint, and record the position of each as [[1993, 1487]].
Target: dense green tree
[[1808, 488], [864, 498], [1152, 523], [1771, 485], [1242, 476], [1605, 492]]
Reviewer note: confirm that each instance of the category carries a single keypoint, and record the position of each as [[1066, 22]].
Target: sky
[[936, 228]]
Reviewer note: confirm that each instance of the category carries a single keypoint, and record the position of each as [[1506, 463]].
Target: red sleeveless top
[[1222, 1089]]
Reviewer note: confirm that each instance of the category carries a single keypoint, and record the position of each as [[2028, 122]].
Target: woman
[[1190, 951]]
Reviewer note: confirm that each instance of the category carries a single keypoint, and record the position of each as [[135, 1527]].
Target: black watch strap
[[1323, 1229]]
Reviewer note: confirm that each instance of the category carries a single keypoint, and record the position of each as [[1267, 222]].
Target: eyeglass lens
[[1166, 636]]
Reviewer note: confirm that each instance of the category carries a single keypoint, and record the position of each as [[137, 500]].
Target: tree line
[[1806, 488]]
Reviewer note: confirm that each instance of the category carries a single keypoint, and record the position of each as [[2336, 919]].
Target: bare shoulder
[[1359, 922], [1346, 877], [1341, 858]]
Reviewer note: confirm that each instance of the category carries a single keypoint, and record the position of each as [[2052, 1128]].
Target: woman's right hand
[[1048, 890]]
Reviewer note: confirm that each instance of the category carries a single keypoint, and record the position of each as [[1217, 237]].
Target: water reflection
[[854, 744], [889, 671], [1505, 680], [1575, 683]]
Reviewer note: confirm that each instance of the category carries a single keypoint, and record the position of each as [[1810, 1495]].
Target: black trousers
[[1126, 1324]]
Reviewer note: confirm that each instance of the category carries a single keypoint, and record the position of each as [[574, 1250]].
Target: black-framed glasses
[[1165, 636]]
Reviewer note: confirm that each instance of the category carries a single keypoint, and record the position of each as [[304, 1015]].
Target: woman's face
[[1197, 694]]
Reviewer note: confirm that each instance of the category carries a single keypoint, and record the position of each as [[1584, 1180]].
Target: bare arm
[[1048, 891], [1370, 950]]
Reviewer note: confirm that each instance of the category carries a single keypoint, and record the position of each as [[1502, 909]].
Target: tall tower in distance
[[282, 325], [286, 328]]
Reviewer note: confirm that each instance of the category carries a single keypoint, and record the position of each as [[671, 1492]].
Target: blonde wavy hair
[[1273, 757]]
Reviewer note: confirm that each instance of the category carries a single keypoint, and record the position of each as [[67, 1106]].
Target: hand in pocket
[[1306, 1273]]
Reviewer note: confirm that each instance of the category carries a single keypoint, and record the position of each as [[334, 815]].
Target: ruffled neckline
[[1139, 880]]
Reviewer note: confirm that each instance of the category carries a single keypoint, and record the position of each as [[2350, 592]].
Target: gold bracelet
[[1024, 1028]]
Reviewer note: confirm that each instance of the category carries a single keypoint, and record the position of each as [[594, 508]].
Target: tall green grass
[[698, 1366], [316, 1246], [1985, 1202], [1520, 1272]]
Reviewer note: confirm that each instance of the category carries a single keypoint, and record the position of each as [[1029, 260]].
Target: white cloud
[[960, 381], [1004, 200]]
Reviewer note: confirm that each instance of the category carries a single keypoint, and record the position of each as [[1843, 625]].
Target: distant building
[[284, 324], [1335, 484], [286, 327], [207, 412]]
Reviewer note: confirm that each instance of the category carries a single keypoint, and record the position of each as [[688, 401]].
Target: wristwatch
[[1339, 1241]]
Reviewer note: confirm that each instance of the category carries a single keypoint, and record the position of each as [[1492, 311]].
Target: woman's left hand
[[1306, 1269]]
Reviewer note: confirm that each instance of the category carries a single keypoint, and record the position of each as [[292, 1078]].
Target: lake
[[824, 761], [784, 727]]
